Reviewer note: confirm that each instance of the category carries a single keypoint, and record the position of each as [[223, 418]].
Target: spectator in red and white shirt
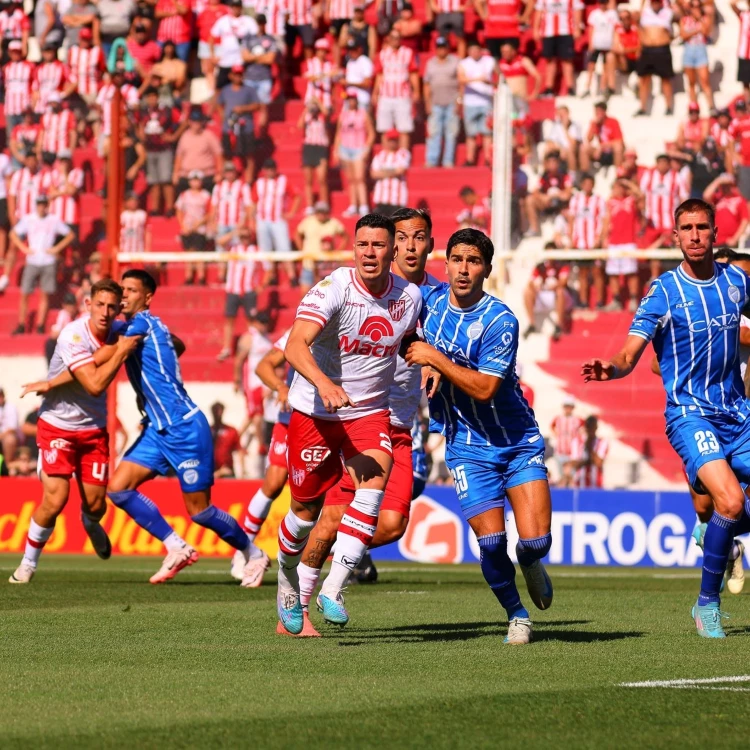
[[226, 37], [144, 50], [565, 427], [175, 25], [731, 210], [194, 215], [548, 292], [315, 146], [502, 22], [205, 21], [104, 104], [299, 23], [388, 170], [244, 276], [86, 67], [602, 22], [15, 24], [604, 143], [396, 89], [320, 74], [18, 75], [743, 49], [24, 137], [621, 221], [660, 186], [65, 185], [231, 204], [627, 45], [134, 237], [552, 193], [275, 202], [476, 214], [67, 314], [58, 131], [51, 78], [585, 220], [24, 187], [740, 149], [588, 452], [557, 24], [476, 81]]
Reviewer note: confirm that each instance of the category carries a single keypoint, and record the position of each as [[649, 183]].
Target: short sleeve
[[321, 303], [61, 228], [498, 347], [72, 349], [138, 327], [217, 28], [22, 227], [651, 313]]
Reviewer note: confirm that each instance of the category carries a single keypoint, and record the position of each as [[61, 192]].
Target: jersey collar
[[464, 310], [362, 289], [697, 282]]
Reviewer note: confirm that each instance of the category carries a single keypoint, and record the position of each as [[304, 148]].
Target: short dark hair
[[151, 91], [474, 238], [406, 214], [377, 221], [726, 253], [585, 176], [104, 285], [148, 281], [695, 204], [466, 190]]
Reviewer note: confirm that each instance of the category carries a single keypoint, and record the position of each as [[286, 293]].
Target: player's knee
[[729, 502], [530, 550], [120, 498]]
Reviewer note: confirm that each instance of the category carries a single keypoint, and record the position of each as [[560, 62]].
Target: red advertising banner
[[20, 496]]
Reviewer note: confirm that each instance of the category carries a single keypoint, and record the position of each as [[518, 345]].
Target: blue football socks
[[500, 573], [717, 544], [142, 511], [530, 550], [223, 525]]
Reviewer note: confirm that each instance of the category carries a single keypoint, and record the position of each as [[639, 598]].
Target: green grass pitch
[[92, 656]]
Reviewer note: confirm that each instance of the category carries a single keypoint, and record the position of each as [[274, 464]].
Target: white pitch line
[[686, 682]]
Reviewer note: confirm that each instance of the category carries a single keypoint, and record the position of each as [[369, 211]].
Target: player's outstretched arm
[[621, 365], [94, 378], [477, 385], [299, 356], [266, 371]]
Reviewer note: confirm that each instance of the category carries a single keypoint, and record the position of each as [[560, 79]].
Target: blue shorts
[[695, 56], [186, 447], [698, 440], [483, 474], [475, 120]]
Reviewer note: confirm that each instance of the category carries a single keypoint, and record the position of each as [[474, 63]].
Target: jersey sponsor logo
[[724, 322], [50, 457], [681, 305], [734, 294], [314, 455], [475, 330], [397, 309], [315, 293], [535, 461], [60, 444], [376, 327], [190, 476], [349, 303], [434, 534], [279, 448], [191, 464]]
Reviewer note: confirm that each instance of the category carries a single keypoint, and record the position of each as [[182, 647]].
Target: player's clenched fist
[[127, 344], [598, 369], [419, 353], [334, 397]]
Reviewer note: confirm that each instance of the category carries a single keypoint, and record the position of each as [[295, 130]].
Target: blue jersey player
[[493, 445], [692, 315], [175, 435]]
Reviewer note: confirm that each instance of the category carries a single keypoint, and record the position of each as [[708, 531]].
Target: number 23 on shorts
[[706, 442]]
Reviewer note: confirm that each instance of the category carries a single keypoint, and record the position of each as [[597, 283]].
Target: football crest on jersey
[[397, 308], [734, 294], [474, 331]]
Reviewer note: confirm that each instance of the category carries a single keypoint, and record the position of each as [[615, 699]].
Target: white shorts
[[204, 50], [394, 113], [546, 301], [624, 266]]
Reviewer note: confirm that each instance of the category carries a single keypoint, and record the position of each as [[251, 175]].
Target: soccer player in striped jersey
[[493, 444], [692, 315], [176, 435]]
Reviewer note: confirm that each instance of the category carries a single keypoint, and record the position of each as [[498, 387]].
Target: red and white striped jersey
[[744, 46], [340, 9], [85, 68], [56, 130], [722, 136], [133, 231], [271, 197], [241, 274], [588, 213], [450, 6], [316, 130], [260, 345], [195, 206], [662, 193], [299, 12], [275, 12], [50, 77], [566, 429], [230, 202], [18, 79], [25, 186], [27, 134], [353, 128], [391, 191], [395, 67], [558, 16], [104, 98], [588, 476], [13, 24], [67, 206], [320, 88], [177, 28], [474, 217]]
